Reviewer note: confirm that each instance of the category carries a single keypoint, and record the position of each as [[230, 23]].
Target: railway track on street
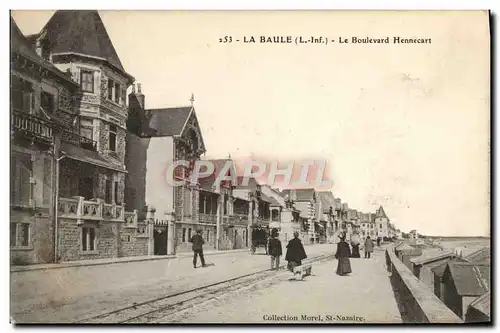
[[163, 307]]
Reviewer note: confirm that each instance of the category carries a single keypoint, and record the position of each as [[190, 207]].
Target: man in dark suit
[[275, 250], [198, 242]]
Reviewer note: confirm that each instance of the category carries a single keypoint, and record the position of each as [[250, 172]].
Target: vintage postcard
[[276, 167]]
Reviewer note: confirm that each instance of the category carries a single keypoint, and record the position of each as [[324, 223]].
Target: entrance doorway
[[160, 236]]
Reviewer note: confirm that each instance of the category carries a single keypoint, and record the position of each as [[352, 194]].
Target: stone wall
[[186, 246], [233, 238], [70, 241], [132, 244], [41, 246]]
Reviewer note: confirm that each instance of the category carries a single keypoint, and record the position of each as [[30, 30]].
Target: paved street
[[364, 296], [71, 294]]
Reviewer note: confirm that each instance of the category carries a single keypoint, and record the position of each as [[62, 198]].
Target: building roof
[[381, 213], [404, 247], [90, 157], [439, 270], [168, 121], [306, 194], [21, 45], [81, 32], [398, 243], [482, 303], [480, 255], [327, 200], [352, 213], [470, 279], [270, 199], [252, 183], [432, 256]]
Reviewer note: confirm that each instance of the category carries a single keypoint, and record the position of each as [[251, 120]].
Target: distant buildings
[[381, 223], [413, 234]]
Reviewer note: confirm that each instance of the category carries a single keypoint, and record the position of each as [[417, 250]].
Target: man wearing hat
[[275, 250], [198, 242]]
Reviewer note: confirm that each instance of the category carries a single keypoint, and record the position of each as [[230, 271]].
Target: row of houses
[[89, 163], [461, 281]]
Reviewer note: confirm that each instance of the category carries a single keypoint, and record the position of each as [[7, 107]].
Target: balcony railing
[[80, 209], [78, 140], [31, 126], [208, 218], [240, 219]]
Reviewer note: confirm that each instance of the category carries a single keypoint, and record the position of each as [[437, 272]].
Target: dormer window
[[87, 80]]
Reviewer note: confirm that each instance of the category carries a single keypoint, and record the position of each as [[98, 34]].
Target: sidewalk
[[68, 295], [365, 296], [108, 261]]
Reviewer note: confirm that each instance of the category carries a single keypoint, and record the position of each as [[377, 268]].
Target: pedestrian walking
[[295, 252], [368, 246], [355, 241], [198, 242], [343, 253], [379, 239], [275, 250]]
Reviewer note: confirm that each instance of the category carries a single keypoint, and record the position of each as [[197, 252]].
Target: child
[[275, 250]]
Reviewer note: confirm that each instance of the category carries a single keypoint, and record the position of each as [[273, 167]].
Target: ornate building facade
[[89, 218]]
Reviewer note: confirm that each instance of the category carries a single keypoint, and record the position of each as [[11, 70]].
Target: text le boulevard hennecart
[[299, 40]]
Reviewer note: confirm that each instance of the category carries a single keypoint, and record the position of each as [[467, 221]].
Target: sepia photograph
[[250, 167]]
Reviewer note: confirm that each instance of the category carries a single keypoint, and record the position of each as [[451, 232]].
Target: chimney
[[38, 48], [140, 97]]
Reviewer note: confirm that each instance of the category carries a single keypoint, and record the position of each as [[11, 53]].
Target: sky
[[405, 126]]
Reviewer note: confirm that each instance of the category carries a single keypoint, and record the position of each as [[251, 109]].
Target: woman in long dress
[[295, 252], [355, 240], [343, 254]]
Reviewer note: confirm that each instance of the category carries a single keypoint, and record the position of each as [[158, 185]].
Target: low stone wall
[[417, 303]]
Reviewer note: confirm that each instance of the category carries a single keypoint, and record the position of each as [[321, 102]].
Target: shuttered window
[[21, 173]]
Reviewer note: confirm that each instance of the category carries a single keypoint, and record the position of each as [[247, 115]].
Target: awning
[[90, 157]]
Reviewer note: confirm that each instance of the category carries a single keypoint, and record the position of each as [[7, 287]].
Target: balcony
[[240, 219], [208, 218], [80, 209], [31, 127], [78, 140]]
